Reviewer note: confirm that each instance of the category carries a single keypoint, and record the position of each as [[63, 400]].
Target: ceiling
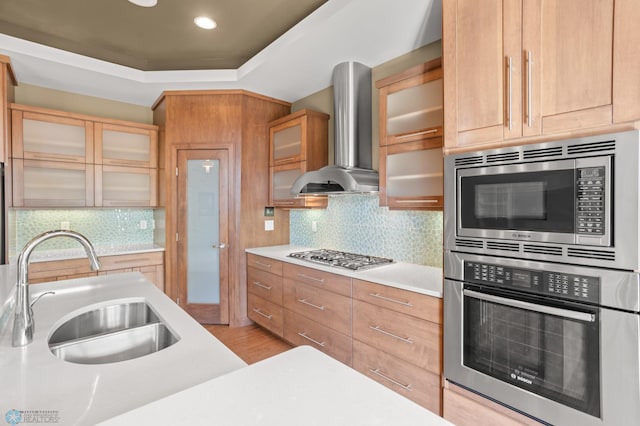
[[281, 48]]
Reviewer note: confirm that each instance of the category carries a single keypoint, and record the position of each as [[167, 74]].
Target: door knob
[[221, 245]]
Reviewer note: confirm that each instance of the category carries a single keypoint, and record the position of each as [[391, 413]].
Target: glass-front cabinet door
[[125, 145], [281, 181], [125, 186], [287, 141]]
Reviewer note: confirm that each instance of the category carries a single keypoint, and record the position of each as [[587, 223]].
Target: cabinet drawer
[[265, 313], [409, 338], [328, 281], [329, 309], [407, 302], [300, 330], [266, 285], [126, 261], [408, 380], [264, 263]]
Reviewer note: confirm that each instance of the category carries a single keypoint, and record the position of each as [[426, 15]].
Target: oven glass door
[[535, 201], [548, 348]]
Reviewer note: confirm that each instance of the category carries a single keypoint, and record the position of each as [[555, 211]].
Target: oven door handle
[[565, 313]]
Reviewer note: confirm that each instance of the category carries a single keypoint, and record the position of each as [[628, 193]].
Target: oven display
[[557, 284]]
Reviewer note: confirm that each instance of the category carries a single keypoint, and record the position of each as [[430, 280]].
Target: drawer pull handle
[[320, 280], [304, 335], [259, 284], [417, 201], [377, 372], [259, 312], [266, 265], [388, 299], [385, 332], [144, 260], [311, 304], [424, 132]]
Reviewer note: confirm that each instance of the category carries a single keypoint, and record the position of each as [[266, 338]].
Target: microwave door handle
[[565, 313]]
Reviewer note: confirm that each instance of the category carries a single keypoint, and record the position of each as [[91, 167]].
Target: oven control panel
[[558, 284]]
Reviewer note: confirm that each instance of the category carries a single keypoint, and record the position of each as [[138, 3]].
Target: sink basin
[[110, 334]]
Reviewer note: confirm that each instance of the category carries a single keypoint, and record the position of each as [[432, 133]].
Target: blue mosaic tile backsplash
[[356, 223], [103, 227]]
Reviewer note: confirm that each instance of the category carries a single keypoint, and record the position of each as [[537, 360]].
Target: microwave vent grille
[[467, 161], [505, 156], [591, 254], [542, 152], [469, 243], [494, 245], [591, 147], [541, 249]]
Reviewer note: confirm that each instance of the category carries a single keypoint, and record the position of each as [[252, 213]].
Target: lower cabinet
[[150, 264], [394, 336]]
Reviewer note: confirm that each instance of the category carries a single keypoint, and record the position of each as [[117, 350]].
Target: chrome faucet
[[23, 319]]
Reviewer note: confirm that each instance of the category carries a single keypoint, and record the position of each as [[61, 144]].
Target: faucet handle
[[40, 297]]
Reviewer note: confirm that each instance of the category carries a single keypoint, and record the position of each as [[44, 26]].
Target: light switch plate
[[268, 225]]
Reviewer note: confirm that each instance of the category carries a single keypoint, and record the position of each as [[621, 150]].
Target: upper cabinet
[[298, 143], [7, 93], [411, 138], [526, 68], [62, 159]]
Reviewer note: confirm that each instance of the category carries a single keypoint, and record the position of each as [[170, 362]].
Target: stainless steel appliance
[[341, 259], [557, 342], [574, 201], [542, 290]]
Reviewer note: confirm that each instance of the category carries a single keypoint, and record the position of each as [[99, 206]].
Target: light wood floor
[[252, 343]]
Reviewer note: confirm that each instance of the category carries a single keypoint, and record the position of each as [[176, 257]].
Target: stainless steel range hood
[[351, 172]]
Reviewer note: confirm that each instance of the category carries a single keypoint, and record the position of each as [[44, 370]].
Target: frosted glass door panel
[[124, 186], [282, 182], [125, 146], [53, 138], [54, 186], [415, 108], [414, 173], [287, 143], [203, 231]]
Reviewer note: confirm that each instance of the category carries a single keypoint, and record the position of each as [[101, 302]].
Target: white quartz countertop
[[33, 379], [302, 386], [417, 278]]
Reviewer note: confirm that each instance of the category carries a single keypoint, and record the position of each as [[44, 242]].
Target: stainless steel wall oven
[[542, 290]]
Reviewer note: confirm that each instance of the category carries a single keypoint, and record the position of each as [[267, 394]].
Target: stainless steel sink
[[111, 333]]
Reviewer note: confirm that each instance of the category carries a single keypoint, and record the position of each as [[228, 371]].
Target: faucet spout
[[23, 320]]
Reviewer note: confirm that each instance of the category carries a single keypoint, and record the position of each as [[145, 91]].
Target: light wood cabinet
[[7, 95], [63, 159], [150, 264], [411, 115], [397, 340], [516, 70], [298, 143], [264, 293]]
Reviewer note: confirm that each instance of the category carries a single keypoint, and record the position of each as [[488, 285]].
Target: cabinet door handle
[[377, 372], [385, 332], [304, 336], [259, 284], [304, 301], [259, 312], [266, 265], [424, 132], [529, 69], [319, 280], [389, 299], [417, 201], [509, 91]]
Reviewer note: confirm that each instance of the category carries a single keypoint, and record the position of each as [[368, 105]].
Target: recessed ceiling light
[[205, 22], [144, 3]]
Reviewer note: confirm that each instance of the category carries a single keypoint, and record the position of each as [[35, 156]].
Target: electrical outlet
[[268, 225], [314, 226], [143, 224], [65, 225]]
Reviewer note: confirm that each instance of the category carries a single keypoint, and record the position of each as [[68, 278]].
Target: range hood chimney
[[351, 172]]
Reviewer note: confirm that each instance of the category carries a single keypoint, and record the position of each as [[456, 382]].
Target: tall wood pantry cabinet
[[522, 70], [411, 174], [236, 121]]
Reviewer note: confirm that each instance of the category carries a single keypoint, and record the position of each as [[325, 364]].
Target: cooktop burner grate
[[341, 259]]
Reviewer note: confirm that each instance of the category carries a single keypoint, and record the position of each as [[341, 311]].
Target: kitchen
[[422, 226]]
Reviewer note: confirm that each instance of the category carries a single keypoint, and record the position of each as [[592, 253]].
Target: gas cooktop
[[341, 259]]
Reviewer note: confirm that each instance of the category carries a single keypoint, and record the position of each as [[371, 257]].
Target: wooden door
[[203, 234], [482, 89], [571, 42]]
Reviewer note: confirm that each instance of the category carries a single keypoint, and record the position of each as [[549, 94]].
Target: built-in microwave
[[571, 201]]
